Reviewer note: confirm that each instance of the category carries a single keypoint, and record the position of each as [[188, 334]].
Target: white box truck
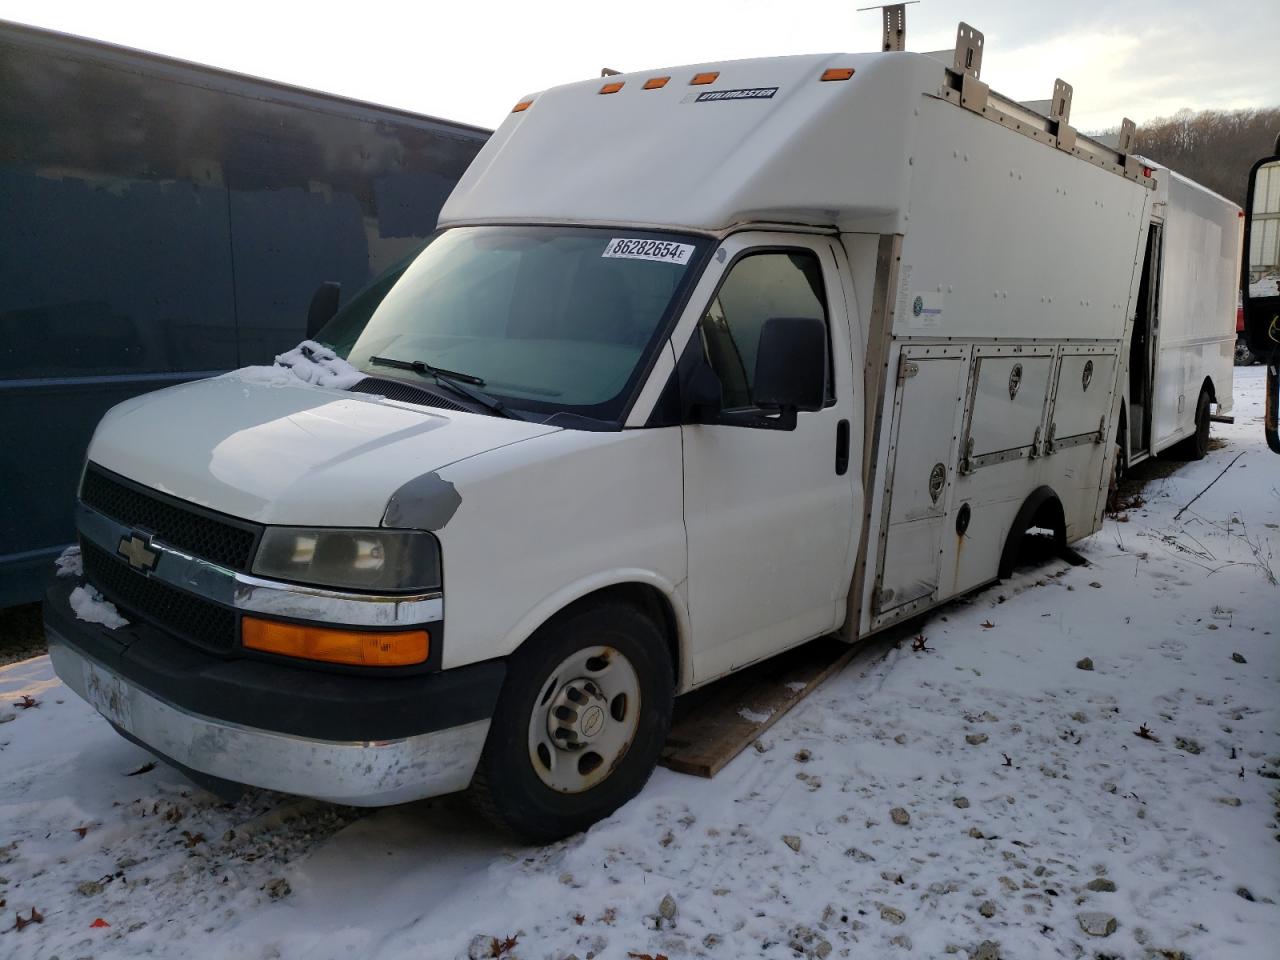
[[703, 363]]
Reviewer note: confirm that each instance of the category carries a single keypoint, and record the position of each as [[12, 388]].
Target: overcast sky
[[471, 61]]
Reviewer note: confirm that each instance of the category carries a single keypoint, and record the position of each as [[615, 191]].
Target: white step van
[[703, 363]]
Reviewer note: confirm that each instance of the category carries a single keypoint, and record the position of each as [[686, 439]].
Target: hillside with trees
[[1213, 147]]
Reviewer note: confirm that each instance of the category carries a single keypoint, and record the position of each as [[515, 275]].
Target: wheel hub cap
[[578, 714], [585, 719]]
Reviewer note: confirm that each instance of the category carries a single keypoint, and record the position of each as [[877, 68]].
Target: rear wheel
[[1196, 446], [580, 723]]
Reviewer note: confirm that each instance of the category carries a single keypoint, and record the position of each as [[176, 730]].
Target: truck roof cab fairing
[[719, 162]]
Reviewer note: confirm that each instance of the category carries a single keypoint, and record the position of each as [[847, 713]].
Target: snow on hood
[[280, 450], [309, 362]]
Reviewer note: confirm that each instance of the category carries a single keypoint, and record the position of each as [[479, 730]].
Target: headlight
[[383, 561]]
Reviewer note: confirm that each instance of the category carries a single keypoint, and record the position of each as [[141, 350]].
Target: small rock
[[823, 949], [667, 908], [481, 946], [986, 950], [900, 816], [1039, 871], [1109, 787], [1084, 664], [901, 940], [791, 841], [124, 863], [711, 940], [1080, 717], [1182, 743], [961, 802], [1244, 894], [987, 909], [91, 888], [761, 746], [973, 739], [803, 756], [1097, 924], [278, 888], [900, 739], [892, 915], [1101, 885], [1230, 801], [890, 877], [1238, 658], [859, 855], [976, 833]]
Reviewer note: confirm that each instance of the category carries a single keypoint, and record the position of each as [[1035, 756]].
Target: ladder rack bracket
[[968, 60]]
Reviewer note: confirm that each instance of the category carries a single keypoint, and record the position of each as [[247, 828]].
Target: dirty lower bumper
[[368, 773], [362, 740]]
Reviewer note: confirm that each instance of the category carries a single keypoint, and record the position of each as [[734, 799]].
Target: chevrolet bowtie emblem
[[138, 551]]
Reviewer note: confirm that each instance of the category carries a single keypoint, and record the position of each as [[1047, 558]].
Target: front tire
[[580, 723]]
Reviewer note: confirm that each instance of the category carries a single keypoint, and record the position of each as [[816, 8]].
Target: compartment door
[[1082, 398], [1009, 393], [928, 402]]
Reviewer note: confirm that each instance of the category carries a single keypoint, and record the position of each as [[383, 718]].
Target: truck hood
[[289, 453]]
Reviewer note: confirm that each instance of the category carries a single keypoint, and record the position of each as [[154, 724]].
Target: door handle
[[842, 448]]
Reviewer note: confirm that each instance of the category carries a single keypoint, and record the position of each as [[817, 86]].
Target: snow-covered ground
[[1031, 799]]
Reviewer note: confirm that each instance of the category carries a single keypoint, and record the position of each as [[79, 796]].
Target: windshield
[[549, 318]]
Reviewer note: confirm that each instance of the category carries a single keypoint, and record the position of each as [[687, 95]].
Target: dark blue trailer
[[162, 221]]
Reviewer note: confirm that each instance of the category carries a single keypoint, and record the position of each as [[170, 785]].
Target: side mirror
[[791, 364], [324, 304], [1260, 284]]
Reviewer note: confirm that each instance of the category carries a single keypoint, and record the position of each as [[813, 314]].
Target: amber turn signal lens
[[700, 78], [522, 106], [656, 83], [611, 87], [358, 648], [837, 73]]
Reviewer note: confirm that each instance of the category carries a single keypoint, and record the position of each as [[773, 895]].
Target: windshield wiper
[[454, 381], [426, 369]]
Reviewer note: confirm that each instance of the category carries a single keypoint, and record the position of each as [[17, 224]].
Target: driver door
[[770, 514]]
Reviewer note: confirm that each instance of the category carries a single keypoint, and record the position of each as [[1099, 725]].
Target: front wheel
[[580, 723]]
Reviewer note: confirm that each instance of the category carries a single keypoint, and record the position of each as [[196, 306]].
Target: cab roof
[[765, 140]]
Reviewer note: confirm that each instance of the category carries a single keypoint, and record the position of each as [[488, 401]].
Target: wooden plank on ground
[[723, 722]]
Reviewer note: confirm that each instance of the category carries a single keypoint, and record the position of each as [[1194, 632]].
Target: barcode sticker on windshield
[[661, 250]]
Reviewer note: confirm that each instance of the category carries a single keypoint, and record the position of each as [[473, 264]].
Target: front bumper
[[366, 741]]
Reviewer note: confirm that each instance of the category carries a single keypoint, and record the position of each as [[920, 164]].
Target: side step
[[713, 726], [1222, 418]]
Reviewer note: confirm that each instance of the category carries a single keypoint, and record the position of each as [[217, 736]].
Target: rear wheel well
[[647, 599], [1041, 510]]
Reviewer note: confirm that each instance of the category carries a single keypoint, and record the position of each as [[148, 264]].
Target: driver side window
[[759, 286]]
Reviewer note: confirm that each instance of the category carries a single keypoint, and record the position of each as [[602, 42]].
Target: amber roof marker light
[[703, 78], [656, 83], [522, 106], [612, 87], [837, 73]]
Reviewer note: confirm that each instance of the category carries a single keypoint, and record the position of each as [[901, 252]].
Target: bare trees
[[1212, 147]]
